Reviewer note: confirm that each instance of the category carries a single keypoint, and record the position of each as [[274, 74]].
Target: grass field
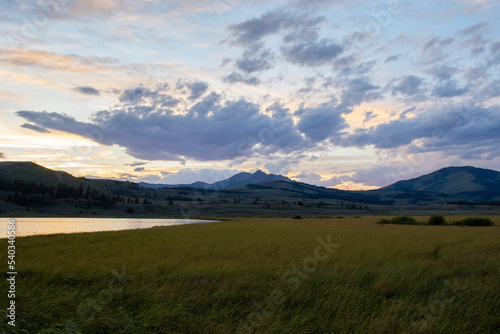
[[343, 275]]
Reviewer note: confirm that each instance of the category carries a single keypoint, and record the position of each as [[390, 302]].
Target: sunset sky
[[345, 94]]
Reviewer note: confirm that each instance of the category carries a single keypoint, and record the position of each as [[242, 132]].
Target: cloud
[[449, 89], [383, 175], [271, 22], [322, 122], [54, 61], [392, 58], [369, 115], [312, 53], [211, 129], [2, 155], [316, 179], [197, 89], [408, 85], [357, 91], [443, 72], [139, 169], [35, 128], [141, 95], [440, 127], [255, 59], [279, 166], [87, 90], [137, 164], [474, 29], [490, 90], [236, 77], [351, 64], [433, 49]]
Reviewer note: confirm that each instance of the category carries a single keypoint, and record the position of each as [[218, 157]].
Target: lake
[[41, 226]]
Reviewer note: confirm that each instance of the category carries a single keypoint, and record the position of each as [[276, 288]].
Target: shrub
[[297, 217], [404, 220], [130, 210], [437, 220], [400, 220], [475, 221]]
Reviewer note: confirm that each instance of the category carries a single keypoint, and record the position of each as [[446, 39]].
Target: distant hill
[[239, 179], [470, 182], [32, 172]]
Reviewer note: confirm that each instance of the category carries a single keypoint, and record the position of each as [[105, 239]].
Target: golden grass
[[263, 275]]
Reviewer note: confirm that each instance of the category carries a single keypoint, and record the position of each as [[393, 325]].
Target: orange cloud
[[67, 63]]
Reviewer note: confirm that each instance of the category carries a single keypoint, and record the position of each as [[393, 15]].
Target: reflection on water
[[38, 226]]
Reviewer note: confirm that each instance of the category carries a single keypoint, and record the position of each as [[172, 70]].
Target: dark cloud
[[369, 115], [139, 169], [212, 129], [408, 85], [141, 95], [137, 164], [272, 22], [351, 65], [433, 49], [236, 77], [392, 58], [322, 122], [2, 155], [197, 89], [255, 59], [474, 29], [449, 89], [476, 44], [312, 53], [87, 90], [442, 72], [357, 91], [441, 127], [253, 30], [35, 128], [405, 112]]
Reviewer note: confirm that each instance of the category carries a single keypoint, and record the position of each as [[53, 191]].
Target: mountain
[[468, 182], [239, 179], [32, 172]]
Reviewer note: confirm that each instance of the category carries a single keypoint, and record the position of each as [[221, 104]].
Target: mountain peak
[[259, 172]]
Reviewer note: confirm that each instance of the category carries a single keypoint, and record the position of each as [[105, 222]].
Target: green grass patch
[[260, 275]]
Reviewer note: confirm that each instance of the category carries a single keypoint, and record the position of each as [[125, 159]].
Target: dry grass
[[263, 275]]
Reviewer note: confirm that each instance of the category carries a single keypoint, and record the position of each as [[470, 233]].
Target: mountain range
[[234, 181], [459, 185]]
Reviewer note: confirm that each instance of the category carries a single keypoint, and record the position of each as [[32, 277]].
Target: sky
[[344, 94]]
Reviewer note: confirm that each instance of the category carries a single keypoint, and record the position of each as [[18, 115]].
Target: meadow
[[262, 275]]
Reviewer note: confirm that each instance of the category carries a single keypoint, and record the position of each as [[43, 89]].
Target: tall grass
[[260, 275]]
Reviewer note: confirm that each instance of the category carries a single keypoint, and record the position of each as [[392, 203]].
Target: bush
[[475, 221], [437, 220], [297, 217], [384, 221], [130, 210], [399, 220], [404, 220]]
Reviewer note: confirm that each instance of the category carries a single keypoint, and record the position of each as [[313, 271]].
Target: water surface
[[40, 226]]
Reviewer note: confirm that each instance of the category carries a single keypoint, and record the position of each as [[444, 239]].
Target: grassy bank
[[341, 275]]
